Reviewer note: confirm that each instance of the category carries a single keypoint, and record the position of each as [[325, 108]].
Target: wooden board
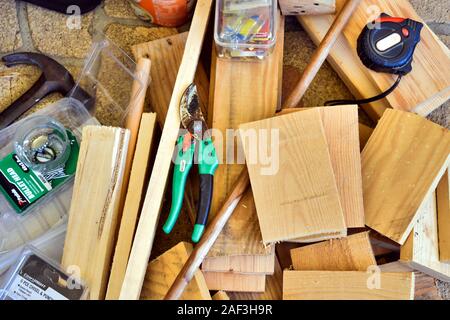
[[364, 134], [307, 7], [273, 291], [300, 199], [162, 271], [228, 281], [221, 295], [353, 253], [94, 209], [132, 205], [429, 78], [346, 285], [443, 212], [401, 164], [148, 221], [241, 264], [355, 75], [421, 249]]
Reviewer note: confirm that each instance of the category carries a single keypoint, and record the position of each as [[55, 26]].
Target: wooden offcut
[[353, 253], [402, 164], [143, 240], [443, 212], [236, 282], [421, 249], [297, 199], [307, 7], [94, 209], [162, 272], [132, 205], [221, 295], [347, 285]]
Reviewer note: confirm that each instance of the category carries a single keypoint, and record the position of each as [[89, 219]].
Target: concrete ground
[[25, 27]]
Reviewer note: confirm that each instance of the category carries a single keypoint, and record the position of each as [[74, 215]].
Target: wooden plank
[[429, 78], [298, 198], [421, 250], [228, 281], [353, 253], [162, 271], [132, 205], [145, 232], [364, 134], [221, 295], [403, 148], [307, 7], [443, 212], [94, 209], [273, 291], [241, 264], [347, 285]]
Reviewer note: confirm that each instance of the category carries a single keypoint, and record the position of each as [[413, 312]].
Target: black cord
[[368, 100]]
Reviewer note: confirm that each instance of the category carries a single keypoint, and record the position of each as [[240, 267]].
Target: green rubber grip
[[183, 164], [207, 157]]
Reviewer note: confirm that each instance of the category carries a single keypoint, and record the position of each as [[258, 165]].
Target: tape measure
[[388, 44]]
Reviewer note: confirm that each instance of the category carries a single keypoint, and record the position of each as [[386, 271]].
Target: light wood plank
[[162, 271], [443, 212], [298, 198], [94, 209], [228, 281], [353, 253], [429, 78], [221, 295], [421, 249], [401, 164], [307, 7], [148, 221], [347, 285], [132, 205]]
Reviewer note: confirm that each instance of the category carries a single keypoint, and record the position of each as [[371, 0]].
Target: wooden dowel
[[321, 54], [212, 232]]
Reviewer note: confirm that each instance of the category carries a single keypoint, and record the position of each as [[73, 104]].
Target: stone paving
[[25, 27]]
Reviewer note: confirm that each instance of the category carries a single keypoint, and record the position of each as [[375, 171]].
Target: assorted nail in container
[[245, 29]]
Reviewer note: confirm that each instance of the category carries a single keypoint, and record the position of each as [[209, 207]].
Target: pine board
[[221, 295], [273, 290], [307, 7], [132, 205], [228, 281], [300, 199], [162, 271], [443, 212], [346, 285], [402, 164], [353, 253], [145, 232], [429, 78], [94, 210], [421, 249]]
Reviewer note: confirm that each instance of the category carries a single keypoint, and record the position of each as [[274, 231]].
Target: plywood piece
[[162, 271], [347, 285], [221, 295], [145, 232], [241, 264], [235, 282], [421, 249], [353, 253], [401, 164], [443, 212], [298, 198], [307, 7], [132, 205], [429, 77], [273, 291], [94, 209]]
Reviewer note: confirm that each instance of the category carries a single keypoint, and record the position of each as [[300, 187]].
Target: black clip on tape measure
[[386, 45]]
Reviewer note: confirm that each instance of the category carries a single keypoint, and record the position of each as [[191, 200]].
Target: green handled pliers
[[195, 145]]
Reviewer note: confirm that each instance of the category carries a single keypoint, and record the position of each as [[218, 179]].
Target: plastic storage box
[[245, 29]]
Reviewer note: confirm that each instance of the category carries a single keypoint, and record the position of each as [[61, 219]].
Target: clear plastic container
[[245, 29]]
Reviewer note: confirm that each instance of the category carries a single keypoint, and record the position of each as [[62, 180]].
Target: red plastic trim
[[390, 19]]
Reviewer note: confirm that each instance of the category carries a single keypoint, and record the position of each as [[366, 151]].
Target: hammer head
[[56, 76]]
